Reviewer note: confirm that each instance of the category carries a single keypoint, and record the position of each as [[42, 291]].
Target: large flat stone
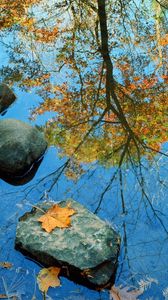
[[87, 251]]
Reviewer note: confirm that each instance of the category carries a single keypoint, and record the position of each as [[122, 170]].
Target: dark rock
[[23, 179], [163, 3], [7, 97], [20, 146], [87, 251]]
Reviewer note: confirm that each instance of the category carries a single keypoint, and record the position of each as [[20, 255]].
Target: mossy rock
[[87, 251]]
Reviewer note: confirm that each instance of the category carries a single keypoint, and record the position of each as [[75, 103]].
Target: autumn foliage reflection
[[112, 105], [105, 143]]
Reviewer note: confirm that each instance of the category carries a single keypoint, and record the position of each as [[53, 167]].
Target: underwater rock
[[87, 251], [21, 145], [7, 97]]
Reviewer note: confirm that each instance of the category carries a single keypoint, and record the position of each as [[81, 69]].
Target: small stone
[[87, 251], [21, 145], [7, 97]]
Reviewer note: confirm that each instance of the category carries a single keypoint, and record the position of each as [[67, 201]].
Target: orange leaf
[[5, 265], [4, 296], [48, 277], [56, 216], [136, 78], [164, 40]]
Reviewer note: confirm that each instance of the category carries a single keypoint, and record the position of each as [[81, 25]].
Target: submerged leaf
[[119, 293], [48, 277]]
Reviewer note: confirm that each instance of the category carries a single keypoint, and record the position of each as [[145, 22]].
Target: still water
[[102, 103]]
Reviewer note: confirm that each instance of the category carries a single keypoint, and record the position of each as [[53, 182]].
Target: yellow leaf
[[48, 277], [56, 216]]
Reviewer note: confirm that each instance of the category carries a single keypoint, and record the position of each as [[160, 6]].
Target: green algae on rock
[[87, 251]]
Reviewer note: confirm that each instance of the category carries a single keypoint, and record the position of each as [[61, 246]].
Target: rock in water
[[7, 97], [20, 146], [163, 3], [87, 252]]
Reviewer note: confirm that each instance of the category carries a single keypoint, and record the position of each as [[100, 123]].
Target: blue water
[[144, 247], [142, 223]]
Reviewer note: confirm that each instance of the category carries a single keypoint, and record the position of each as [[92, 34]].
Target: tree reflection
[[110, 102], [112, 106], [98, 117]]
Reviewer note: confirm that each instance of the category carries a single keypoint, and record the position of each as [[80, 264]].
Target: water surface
[[97, 85]]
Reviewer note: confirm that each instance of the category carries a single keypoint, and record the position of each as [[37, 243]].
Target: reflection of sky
[[144, 242]]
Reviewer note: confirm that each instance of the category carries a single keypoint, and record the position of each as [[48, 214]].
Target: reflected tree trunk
[[112, 101]]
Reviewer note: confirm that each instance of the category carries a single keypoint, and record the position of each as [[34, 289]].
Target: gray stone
[[20, 146], [87, 251], [7, 97]]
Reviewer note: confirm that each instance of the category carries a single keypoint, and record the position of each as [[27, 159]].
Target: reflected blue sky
[[139, 214]]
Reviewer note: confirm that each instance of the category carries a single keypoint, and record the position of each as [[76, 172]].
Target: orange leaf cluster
[[15, 12], [56, 216], [164, 40], [44, 35]]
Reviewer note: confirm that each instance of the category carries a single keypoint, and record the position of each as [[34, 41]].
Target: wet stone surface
[[87, 251], [7, 97], [21, 145]]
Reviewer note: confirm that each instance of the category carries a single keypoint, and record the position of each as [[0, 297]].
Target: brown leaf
[[119, 293], [56, 216], [5, 265], [48, 277]]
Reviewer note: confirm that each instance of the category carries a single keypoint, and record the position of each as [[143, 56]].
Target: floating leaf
[[119, 293], [56, 216], [5, 265], [48, 277], [4, 296]]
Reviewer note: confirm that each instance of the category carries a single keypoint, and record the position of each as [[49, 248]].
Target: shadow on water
[[27, 176]]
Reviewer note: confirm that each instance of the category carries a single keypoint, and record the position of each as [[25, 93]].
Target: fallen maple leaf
[[117, 293], [48, 277], [56, 216]]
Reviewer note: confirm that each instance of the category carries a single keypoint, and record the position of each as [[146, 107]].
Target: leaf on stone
[[120, 293], [56, 216], [5, 265], [48, 277]]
